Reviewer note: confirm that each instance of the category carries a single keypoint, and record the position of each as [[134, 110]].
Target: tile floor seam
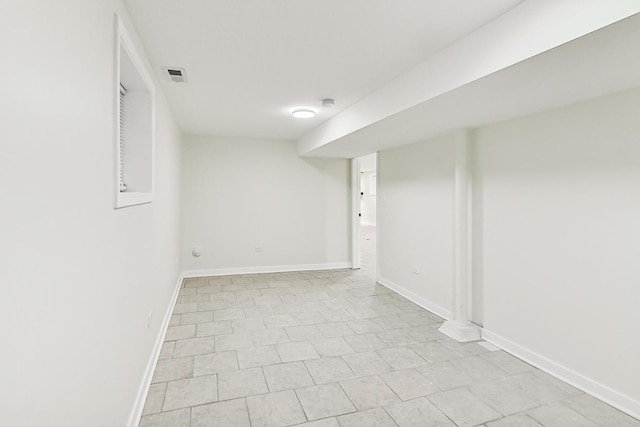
[[442, 412]]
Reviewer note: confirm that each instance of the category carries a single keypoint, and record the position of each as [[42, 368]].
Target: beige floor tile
[[213, 328], [336, 315], [190, 392], [280, 321], [409, 384], [270, 336], [311, 318], [397, 337], [327, 422], [179, 418], [599, 412], [185, 307], [211, 305], [465, 409], [232, 413], [503, 397], [257, 356], [190, 299], [434, 352], [247, 325], [193, 346], [287, 376], [371, 418], [446, 376], [175, 320], [364, 326], [275, 409], [215, 363], [182, 332], [401, 358], [173, 369], [228, 314], [166, 352], [422, 334], [233, 342], [363, 312], [197, 317], [366, 364], [241, 383], [328, 370], [296, 351], [557, 415], [515, 421], [365, 342], [390, 322], [419, 318], [418, 413], [464, 349], [479, 368], [332, 347], [334, 329], [369, 392], [507, 362], [155, 398], [303, 333], [324, 401]]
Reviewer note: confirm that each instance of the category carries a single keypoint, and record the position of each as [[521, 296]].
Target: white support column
[[460, 328]]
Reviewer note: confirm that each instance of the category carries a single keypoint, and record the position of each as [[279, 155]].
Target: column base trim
[[461, 332]]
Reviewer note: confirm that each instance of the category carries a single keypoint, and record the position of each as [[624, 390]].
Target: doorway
[[365, 185]]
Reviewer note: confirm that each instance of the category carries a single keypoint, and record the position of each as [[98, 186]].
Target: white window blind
[[122, 186]]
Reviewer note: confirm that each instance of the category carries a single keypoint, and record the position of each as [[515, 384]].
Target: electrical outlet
[[149, 319], [415, 270], [259, 249]]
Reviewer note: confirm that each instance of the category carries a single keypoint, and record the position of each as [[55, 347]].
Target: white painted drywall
[[78, 277], [240, 194], [415, 219], [561, 237], [528, 30]]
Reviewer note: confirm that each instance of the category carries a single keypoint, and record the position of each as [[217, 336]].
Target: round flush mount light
[[303, 112]]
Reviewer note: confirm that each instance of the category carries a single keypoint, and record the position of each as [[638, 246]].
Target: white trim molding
[[606, 394], [143, 390], [416, 299], [265, 269]]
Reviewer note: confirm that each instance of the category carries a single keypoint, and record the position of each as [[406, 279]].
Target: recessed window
[[134, 124]]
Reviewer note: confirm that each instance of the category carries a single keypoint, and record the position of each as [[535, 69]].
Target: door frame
[[355, 213]]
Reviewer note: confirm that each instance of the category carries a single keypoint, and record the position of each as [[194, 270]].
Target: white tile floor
[[333, 348]]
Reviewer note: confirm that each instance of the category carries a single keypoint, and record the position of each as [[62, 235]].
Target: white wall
[[78, 277], [415, 220], [239, 194], [561, 238], [556, 239]]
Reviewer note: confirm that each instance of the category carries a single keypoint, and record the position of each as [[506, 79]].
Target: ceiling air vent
[[177, 75]]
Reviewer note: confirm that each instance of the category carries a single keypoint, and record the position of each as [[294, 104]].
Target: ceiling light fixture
[[303, 112]]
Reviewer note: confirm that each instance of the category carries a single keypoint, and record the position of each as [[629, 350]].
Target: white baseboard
[[266, 269], [143, 390], [422, 302], [606, 394]]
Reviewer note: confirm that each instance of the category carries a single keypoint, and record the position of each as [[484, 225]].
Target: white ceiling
[[597, 64], [249, 61]]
